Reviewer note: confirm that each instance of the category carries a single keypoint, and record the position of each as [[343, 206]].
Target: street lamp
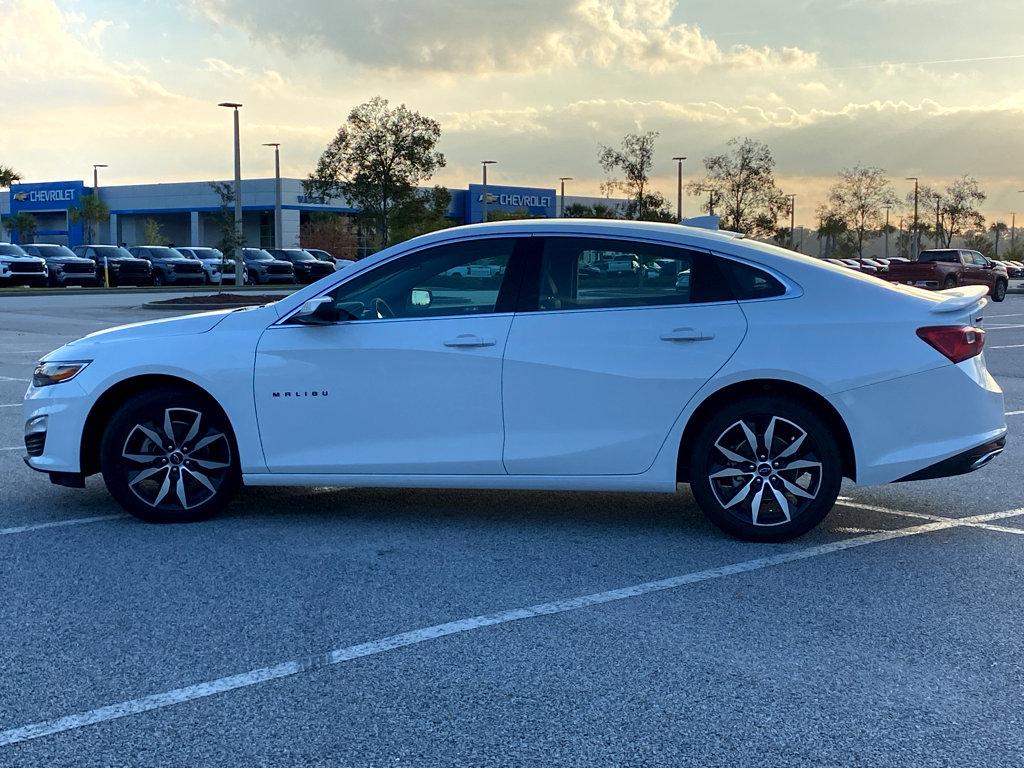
[[483, 198], [239, 274], [938, 220], [277, 193], [96, 175], [679, 186], [563, 180], [917, 232], [711, 198], [887, 231], [792, 221]]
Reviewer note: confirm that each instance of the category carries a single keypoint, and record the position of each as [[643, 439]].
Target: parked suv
[[64, 266], [262, 267], [170, 267], [115, 262], [306, 266], [19, 269], [215, 265]]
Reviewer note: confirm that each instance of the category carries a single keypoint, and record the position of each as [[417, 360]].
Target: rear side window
[[597, 273], [939, 256], [749, 282]]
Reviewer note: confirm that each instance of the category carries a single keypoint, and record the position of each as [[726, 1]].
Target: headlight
[[54, 372]]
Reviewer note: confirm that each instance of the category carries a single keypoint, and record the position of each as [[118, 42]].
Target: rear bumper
[[965, 462]]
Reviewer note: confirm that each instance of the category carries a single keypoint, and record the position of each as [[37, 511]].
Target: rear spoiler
[[956, 299]]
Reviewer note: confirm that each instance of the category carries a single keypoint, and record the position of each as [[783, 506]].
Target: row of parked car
[[49, 264]]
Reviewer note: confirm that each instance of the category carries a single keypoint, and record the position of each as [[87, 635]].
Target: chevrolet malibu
[[761, 381]]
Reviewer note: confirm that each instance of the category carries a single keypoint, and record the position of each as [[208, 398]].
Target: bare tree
[[959, 211], [859, 199], [742, 182], [634, 162]]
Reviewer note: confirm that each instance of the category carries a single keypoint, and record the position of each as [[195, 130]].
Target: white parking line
[[1002, 326], [344, 654], [847, 502], [1002, 346], [11, 448], [9, 405], [1013, 413], [58, 524], [13, 379], [1008, 315]]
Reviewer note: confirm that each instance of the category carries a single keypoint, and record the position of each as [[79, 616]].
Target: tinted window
[[939, 256], [979, 260], [48, 250], [163, 252], [257, 254], [207, 253], [594, 273], [749, 282], [10, 249], [293, 254], [467, 278], [110, 252]]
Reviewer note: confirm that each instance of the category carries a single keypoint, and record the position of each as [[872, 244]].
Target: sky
[[928, 88]]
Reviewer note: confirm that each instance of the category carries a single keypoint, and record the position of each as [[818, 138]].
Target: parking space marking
[[1003, 346], [11, 448], [57, 524], [1002, 326], [13, 379], [8, 405], [305, 664], [1007, 315], [977, 524], [1013, 413]]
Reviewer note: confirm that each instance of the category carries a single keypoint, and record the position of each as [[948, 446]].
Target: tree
[[742, 182], [634, 162], [859, 199], [998, 228], [152, 233], [231, 241], [376, 161], [330, 232], [596, 211], [23, 224], [977, 241], [8, 176], [92, 212], [426, 211], [958, 207]]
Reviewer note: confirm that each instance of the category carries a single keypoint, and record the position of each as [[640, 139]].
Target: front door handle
[[468, 340], [686, 335]]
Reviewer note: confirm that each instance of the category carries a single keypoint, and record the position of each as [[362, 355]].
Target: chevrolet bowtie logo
[[491, 198], [21, 196]]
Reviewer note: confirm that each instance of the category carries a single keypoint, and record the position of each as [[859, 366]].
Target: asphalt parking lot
[[369, 627]]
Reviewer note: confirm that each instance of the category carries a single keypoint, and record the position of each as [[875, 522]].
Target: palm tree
[[998, 228], [8, 176]]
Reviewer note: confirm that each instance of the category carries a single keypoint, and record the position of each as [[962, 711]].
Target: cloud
[[456, 37]]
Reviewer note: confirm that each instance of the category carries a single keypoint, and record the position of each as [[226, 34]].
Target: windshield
[[257, 254], [298, 255], [164, 252], [10, 249], [112, 252], [207, 253], [48, 250]]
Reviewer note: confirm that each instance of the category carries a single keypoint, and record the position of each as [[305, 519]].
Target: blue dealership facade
[[188, 212]]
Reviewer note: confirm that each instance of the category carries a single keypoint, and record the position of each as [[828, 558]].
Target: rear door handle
[[468, 340], [686, 335]]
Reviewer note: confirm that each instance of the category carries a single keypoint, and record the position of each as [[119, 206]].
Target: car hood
[[68, 260], [12, 258], [151, 329], [174, 260]]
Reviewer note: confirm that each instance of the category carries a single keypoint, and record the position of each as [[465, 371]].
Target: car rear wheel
[[999, 292], [158, 278], [169, 456], [765, 469], [950, 282]]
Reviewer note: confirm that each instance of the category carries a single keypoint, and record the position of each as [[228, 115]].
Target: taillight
[[958, 343]]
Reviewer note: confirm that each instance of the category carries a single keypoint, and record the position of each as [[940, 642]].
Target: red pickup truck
[[941, 268]]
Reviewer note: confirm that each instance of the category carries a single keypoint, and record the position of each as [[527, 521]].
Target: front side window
[[596, 273], [466, 278]]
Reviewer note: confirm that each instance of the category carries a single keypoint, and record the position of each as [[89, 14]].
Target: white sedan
[[761, 381]]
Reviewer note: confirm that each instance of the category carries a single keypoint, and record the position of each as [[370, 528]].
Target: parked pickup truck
[[941, 268]]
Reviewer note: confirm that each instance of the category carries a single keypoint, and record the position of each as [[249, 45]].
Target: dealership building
[[188, 213]]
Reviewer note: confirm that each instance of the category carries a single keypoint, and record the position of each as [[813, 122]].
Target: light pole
[[938, 221], [887, 231], [679, 186], [239, 271], [277, 193], [917, 232], [95, 187], [483, 198], [563, 180], [792, 221], [1013, 229]]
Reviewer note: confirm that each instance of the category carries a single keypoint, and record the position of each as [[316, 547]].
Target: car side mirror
[[421, 297], [319, 311]]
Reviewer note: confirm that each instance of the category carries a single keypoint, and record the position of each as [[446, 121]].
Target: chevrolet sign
[[46, 196]]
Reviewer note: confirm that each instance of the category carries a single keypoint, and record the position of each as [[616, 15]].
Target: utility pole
[[938, 220], [679, 186], [1013, 229], [887, 231], [239, 271], [277, 193], [792, 221], [96, 189], [917, 232], [563, 180], [483, 198]]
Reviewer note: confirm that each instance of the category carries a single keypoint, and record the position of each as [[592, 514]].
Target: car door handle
[[468, 340], [685, 335]]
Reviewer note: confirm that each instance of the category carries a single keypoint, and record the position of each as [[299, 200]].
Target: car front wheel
[[999, 291], [169, 456], [765, 469]]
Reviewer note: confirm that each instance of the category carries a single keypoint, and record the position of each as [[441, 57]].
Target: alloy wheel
[[765, 470], [178, 464]]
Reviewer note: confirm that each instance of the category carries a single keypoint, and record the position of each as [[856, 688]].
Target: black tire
[[999, 292], [144, 476], [158, 278], [254, 279], [724, 500], [950, 282]]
